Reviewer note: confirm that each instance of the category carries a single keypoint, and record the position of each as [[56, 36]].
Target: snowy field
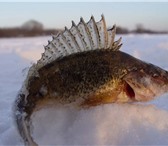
[[112, 124]]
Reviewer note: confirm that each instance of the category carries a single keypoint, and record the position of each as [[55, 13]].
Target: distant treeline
[[20, 32], [138, 30]]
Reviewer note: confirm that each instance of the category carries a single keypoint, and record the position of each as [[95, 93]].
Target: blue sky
[[153, 15]]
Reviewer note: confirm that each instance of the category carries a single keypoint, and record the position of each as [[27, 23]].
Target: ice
[[112, 124]]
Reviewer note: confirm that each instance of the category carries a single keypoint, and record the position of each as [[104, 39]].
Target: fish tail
[[22, 120]]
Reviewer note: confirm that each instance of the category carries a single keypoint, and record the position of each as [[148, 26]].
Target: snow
[[122, 124], [111, 124]]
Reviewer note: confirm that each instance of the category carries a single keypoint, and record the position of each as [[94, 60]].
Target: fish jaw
[[147, 84]]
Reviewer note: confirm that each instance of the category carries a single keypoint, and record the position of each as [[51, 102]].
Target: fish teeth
[[79, 38]]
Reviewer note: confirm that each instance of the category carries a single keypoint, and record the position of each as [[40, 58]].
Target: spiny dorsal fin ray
[[116, 44], [94, 33], [103, 36], [73, 46], [75, 32], [79, 38], [84, 32], [111, 36]]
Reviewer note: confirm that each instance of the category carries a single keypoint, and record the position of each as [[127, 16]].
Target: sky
[[152, 15]]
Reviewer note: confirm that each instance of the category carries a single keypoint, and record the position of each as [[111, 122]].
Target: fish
[[84, 67]]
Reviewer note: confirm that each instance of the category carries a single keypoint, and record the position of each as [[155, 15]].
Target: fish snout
[[147, 86]]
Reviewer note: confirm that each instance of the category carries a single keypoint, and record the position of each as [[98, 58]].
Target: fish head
[[146, 83]]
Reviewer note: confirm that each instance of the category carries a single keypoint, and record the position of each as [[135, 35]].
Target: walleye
[[84, 67]]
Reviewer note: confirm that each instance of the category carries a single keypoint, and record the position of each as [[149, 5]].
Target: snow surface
[[117, 124]]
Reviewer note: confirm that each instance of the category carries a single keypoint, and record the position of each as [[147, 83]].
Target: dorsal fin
[[79, 38]]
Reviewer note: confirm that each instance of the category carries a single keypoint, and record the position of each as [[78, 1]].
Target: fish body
[[93, 72]]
